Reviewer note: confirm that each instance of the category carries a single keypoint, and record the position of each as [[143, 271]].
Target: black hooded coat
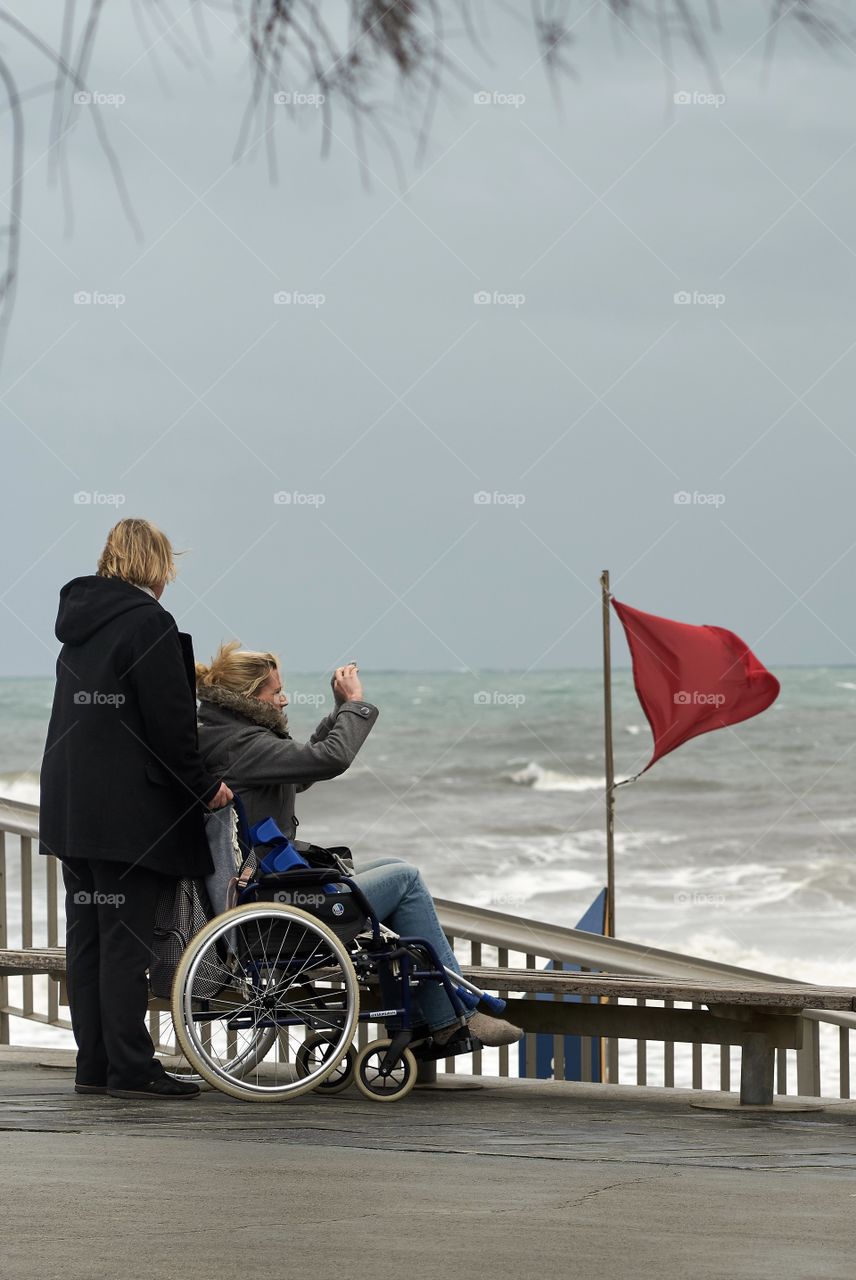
[[122, 778]]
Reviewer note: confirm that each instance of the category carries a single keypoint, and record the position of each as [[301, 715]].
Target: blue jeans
[[400, 899]]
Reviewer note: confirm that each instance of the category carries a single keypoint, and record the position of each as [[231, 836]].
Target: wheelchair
[[288, 969]]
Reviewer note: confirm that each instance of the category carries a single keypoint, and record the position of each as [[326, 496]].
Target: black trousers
[[110, 914]]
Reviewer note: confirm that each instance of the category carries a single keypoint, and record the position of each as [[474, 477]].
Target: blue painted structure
[[593, 921]]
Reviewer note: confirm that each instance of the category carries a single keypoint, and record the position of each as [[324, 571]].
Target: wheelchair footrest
[[460, 1042]]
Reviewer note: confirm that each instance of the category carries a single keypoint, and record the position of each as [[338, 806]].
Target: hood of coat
[[88, 603], [243, 704]]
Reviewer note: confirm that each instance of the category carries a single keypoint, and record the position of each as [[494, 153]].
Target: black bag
[[339, 911], [182, 909], [337, 858]]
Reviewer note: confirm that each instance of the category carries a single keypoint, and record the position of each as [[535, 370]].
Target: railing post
[[475, 961], [27, 915], [502, 962], [449, 1063], [530, 1040], [782, 1071], [844, 1062], [4, 942], [642, 1056], [808, 1061], [53, 933], [669, 1055], [612, 1072]]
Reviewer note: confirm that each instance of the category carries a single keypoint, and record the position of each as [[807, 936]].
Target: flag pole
[[608, 760]]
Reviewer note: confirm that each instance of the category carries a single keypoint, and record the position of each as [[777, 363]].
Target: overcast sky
[[582, 394]]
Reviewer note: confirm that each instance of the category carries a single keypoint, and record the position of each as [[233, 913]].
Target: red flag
[[691, 680]]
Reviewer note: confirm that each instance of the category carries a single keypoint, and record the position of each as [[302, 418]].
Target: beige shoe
[[492, 1032]]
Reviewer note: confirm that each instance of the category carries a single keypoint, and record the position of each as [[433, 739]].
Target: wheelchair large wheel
[[378, 1085], [282, 972], [252, 1052]]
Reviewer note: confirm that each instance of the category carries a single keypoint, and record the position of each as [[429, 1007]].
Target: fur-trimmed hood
[[245, 705]]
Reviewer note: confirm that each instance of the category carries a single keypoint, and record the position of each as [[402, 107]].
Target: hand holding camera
[[346, 684]]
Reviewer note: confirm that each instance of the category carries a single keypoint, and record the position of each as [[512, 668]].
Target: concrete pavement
[[511, 1179]]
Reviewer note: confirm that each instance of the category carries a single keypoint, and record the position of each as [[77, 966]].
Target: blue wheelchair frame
[[378, 957]]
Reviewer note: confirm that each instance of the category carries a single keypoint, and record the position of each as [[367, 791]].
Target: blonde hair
[[239, 670], [137, 552]]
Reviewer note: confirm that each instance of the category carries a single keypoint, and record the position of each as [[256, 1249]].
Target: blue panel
[[593, 921]]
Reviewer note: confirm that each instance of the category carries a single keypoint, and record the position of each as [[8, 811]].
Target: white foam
[[20, 786], [845, 684], [540, 779]]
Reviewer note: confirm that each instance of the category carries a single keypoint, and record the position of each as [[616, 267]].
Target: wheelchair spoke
[[288, 978]]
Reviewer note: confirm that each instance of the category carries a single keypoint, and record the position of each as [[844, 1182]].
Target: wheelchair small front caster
[[314, 1052], [374, 1083]]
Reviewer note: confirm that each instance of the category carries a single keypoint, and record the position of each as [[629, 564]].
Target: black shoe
[[161, 1087], [90, 1088]]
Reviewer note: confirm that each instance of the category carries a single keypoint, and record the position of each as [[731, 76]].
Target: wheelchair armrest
[[299, 876], [287, 880]]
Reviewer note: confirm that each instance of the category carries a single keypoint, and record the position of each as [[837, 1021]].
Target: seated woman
[[243, 737]]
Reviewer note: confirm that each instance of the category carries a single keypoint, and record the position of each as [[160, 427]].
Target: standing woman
[[123, 792]]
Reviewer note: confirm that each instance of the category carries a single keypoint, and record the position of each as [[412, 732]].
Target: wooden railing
[[32, 916]]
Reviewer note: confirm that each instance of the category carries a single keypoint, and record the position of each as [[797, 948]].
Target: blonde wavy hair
[[239, 670], [137, 551]]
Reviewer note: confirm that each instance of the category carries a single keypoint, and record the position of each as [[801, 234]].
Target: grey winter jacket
[[257, 757]]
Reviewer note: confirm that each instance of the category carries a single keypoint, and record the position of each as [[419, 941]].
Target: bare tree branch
[[342, 51]]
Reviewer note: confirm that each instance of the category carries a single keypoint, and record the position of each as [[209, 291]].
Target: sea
[[739, 847]]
